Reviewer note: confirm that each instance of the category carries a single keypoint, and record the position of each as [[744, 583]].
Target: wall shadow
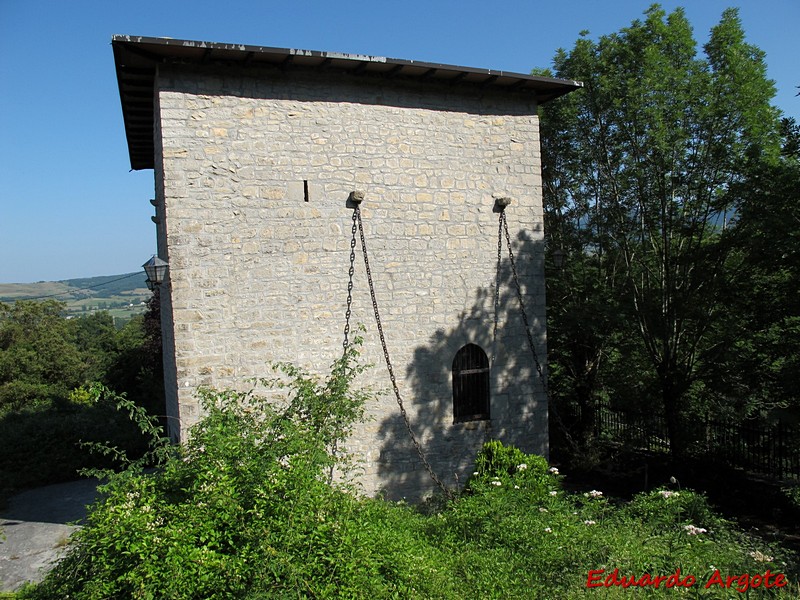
[[518, 404], [357, 88]]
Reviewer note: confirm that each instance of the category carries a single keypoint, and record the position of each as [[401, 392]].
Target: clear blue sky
[[71, 207]]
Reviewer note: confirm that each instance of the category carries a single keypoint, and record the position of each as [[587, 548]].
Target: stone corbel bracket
[[501, 202], [355, 199]]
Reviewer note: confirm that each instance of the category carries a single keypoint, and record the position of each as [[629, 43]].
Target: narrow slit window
[[470, 384], [305, 189]]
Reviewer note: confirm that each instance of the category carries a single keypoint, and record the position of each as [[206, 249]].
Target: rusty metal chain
[[539, 369], [346, 342], [497, 287], [502, 232], [551, 405], [420, 453]]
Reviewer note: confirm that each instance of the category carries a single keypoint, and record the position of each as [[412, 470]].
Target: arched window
[[470, 384]]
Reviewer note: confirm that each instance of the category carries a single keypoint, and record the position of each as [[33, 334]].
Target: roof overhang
[[136, 60]]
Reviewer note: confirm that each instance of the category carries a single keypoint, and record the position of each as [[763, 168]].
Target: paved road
[[36, 525]]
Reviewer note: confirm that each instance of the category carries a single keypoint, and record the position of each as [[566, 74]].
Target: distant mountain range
[[122, 295]]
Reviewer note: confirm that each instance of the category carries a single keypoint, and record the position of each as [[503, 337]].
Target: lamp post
[[156, 270]]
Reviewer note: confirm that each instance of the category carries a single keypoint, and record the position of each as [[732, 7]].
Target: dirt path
[[36, 525]]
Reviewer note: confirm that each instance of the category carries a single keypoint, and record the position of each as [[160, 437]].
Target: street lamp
[[156, 270]]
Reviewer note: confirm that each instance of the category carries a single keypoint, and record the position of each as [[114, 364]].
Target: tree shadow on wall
[[517, 403]]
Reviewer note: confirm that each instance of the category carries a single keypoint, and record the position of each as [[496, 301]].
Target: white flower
[[553, 470], [522, 467], [516, 487], [760, 557], [543, 509], [553, 493], [497, 483], [548, 530], [475, 473], [692, 530], [668, 494], [593, 494], [590, 522]]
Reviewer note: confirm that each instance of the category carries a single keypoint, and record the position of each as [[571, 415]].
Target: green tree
[[96, 338], [762, 339], [638, 171], [137, 368], [39, 361], [44, 355]]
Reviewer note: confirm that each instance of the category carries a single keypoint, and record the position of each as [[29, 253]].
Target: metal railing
[[771, 449]]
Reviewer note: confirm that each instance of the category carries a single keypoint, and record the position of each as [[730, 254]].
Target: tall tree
[[96, 338], [39, 360], [762, 339], [44, 355], [137, 368], [640, 163]]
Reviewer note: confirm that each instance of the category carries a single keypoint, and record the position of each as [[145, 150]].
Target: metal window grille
[[470, 384]]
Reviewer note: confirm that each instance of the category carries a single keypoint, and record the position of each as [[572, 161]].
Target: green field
[[122, 295]]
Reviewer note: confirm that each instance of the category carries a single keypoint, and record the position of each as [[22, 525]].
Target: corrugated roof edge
[[136, 57]]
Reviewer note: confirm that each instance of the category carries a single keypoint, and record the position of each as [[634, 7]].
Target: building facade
[[257, 153]]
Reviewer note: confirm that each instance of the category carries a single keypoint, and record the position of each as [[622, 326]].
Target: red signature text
[[741, 583]]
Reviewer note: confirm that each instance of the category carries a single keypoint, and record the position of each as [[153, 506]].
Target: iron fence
[[771, 449]]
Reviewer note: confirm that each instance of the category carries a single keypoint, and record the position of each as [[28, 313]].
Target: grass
[[209, 525], [493, 542], [245, 510]]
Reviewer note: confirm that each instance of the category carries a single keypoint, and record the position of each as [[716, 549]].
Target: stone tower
[[256, 152]]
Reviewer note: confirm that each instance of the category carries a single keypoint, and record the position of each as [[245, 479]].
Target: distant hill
[[122, 295], [107, 286]]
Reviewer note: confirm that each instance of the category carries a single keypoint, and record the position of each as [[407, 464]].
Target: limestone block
[[259, 274]]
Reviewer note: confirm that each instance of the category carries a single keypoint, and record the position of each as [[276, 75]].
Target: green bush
[[247, 509], [497, 465], [43, 444], [246, 506], [46, 408], [791, 493]]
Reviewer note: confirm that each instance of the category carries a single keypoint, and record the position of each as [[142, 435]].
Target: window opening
[[470, 384], [305, 189]]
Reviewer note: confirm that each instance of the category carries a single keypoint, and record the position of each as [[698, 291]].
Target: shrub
[[247, 505], [498, 465], [42, 444], [248, 510], [791, 494]]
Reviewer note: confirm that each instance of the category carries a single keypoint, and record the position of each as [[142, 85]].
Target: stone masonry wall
[[254, 169]]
